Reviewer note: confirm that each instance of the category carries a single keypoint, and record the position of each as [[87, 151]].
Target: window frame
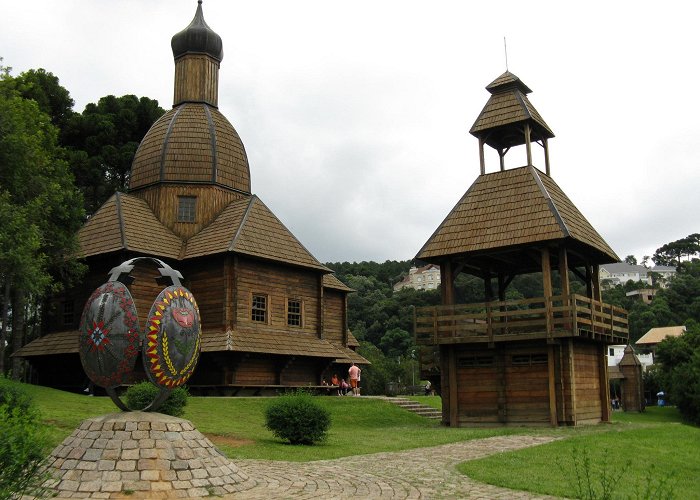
[[68, 312], [259, 310], [299, 314], [186, 212]]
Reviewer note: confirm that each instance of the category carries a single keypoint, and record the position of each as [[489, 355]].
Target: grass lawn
[[236, 425], [642, 449], [654, 443]]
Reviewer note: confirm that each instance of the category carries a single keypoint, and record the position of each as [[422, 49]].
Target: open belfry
[[272, 315], [534, 360]]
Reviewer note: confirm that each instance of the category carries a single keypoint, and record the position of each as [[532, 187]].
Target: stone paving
[[419, 473], [141, 455]]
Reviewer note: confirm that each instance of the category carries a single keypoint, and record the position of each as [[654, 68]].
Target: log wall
[[278, 283], [334, 315]]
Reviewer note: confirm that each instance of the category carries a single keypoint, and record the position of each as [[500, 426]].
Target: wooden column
[[501, 287], [346, 328], [454, 403], [447, 290], [597, 294], [604, 386], [502, 390], [546, 156], [482, 159], [320, 306], [228, 292], [547, 286], [572, 379], [589, 281], [528, 144], [564, 278], [552, 383], [502, 156], [234, 294]]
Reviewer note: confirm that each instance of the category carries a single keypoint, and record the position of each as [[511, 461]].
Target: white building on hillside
[[421, 278], [620, 273]]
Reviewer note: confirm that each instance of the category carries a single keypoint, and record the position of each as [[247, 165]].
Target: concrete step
[[415, 407]]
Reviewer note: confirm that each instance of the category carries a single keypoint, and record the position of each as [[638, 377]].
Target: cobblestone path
[[420, 473]]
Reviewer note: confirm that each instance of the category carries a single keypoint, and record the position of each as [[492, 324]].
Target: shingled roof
[[126, 222], [248, 227], [283, 343], [509, 208], [508, 105], [54, 343]]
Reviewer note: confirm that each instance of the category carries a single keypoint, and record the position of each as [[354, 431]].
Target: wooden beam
[[528, 144], [502, 156], [604, 386], [320, 306], [447, 290], [552, 386], [546, 156], [234, 294], [482, 159], [564, 278], [547, 287], [454, 403], [572, 379]]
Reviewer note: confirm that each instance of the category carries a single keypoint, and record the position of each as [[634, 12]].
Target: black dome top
[[198, 38]]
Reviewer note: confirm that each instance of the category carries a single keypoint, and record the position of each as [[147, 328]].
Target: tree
[[44, 88], [631, 260], [102, 141], [671, 254], [679, 359], [40, 201]]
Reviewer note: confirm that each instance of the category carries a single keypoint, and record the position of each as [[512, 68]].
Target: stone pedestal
[[141, 455]]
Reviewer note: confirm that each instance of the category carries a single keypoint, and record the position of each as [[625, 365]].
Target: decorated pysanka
[[110, 337]]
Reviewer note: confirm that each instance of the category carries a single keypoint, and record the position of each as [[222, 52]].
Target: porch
[[549, 318]]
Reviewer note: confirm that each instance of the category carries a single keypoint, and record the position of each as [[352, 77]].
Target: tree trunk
[[3, 333], [18, 320]]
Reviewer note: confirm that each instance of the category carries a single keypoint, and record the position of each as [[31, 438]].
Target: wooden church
[[538, 360], [272, 315]]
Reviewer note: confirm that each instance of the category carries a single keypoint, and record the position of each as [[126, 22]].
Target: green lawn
[[236, 425], [653, 443], [644, 450]]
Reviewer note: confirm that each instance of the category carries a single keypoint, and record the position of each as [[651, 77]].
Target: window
[[294, 312], [68, 312], [612, 352], [475, 361], [529, 359], [259, 308], [186, 208]]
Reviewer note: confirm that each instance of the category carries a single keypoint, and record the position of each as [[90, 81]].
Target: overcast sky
[[355, 115]]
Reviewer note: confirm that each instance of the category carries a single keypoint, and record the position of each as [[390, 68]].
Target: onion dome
[[192, 143], [198, 38]]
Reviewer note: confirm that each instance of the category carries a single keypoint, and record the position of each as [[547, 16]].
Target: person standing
[[354, 373]]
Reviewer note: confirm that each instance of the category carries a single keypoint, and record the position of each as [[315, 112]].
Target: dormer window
[[186, 208]]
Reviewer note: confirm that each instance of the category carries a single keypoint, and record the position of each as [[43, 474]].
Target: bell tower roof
[[198, 38]]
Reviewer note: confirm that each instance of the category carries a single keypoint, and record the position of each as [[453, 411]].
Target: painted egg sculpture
[[109, 339], [172, 339]]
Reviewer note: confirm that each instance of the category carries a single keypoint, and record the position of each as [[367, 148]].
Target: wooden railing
[[558, 316]]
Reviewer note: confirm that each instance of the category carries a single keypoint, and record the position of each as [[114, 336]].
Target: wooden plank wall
[[163, 200], [497, 386], [256, 370], [196, 79], [301, 373], [333, 309], [206, 280], [527, 388], [587, 380], [278, 283]]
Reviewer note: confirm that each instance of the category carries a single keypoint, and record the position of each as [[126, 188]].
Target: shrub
[[22, 445], [12, 395], [141, 395], [297, 418]]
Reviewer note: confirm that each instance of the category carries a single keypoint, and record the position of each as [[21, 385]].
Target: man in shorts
[[354, 373]]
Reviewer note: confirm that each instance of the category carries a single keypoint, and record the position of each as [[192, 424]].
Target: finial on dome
[[198, 38]]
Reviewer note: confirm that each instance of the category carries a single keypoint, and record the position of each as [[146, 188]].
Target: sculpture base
[[141, 455]]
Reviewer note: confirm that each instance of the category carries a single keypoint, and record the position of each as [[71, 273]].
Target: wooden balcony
[[538, 318]]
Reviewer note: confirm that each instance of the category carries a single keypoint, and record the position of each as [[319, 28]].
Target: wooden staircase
[[415, 407]]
